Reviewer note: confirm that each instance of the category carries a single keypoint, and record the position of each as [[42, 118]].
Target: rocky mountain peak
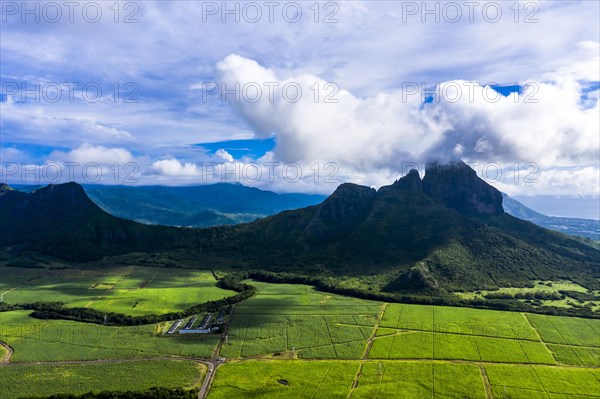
[[457, 186]]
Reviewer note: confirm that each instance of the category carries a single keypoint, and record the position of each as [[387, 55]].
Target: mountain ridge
[[456, 238]]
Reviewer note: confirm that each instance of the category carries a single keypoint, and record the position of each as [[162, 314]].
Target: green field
[[393, 379], [51, 340], [22, 381], [464, 321], [298, 321], [543, 382], [283, 379], [419, 380], [132, 290], [567, 330], [294, 341]]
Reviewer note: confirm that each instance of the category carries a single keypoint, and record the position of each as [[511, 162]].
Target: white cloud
[[369, 53], [227, 157], [175, 168], [89, 153], [546, 124]]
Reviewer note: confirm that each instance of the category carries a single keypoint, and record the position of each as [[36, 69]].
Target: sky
[[301, 96]]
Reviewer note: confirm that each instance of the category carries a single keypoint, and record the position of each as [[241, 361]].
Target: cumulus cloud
[[546, 123], [88, 153], [369, 54], [336, 126], [174, 167], [224, 155]]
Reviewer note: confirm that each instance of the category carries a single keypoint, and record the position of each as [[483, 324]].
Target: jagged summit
[[347, 206], [457, 186], [445, 231], [409, 182]]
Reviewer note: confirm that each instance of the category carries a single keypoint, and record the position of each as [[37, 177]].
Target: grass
[[428, 345], [453, 320], [283, 379], [567, 330], [577, 356], [45, 380], [298, 321], [542, 381], [132, 290], [299, 342], [53, 340], [387, 379], [416, 380], [545, 287]]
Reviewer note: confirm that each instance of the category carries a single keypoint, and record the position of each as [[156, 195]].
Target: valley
[[291, 340], [424, 287]]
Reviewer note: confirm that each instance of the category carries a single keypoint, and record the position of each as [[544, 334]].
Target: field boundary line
[[322, 380], [553, 326], [486, 382], [540, 380], [371, 339], [467, 335], [245, 336], [287, 334], [525, 353], [9, 352], [479, 351], [12, 289], [330, 337], [433, 380], [356, 324], [540, 337], [380, 380], [433, 343], [223, 337], [597, 377], [577, 356], [575, 346], [394, 335], [327, 345], [356, 378]]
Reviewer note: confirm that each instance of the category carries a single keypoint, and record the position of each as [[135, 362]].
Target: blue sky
[[380, 60]]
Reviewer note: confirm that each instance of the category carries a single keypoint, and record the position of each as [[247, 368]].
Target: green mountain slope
[[447, 231], [191, 206], [195, 206], [451, 229]]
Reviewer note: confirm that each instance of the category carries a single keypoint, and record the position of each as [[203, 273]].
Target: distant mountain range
[[228, 204], [193, 206], [588, 228], [446, 231]]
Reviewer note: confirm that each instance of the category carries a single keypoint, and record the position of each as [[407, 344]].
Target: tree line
[[152, 393], [57, 310]]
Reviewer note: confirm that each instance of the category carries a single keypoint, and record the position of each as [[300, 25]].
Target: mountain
[[229, 204], [61, 220], [448, 228], [193, 206], [588, 228], [447, 231]]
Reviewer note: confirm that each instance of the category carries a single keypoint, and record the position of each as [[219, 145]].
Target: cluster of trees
[[234, 282], [539, 295], [152, 393], [56, 310], [579, 296], [6, 307], [328, 285]]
